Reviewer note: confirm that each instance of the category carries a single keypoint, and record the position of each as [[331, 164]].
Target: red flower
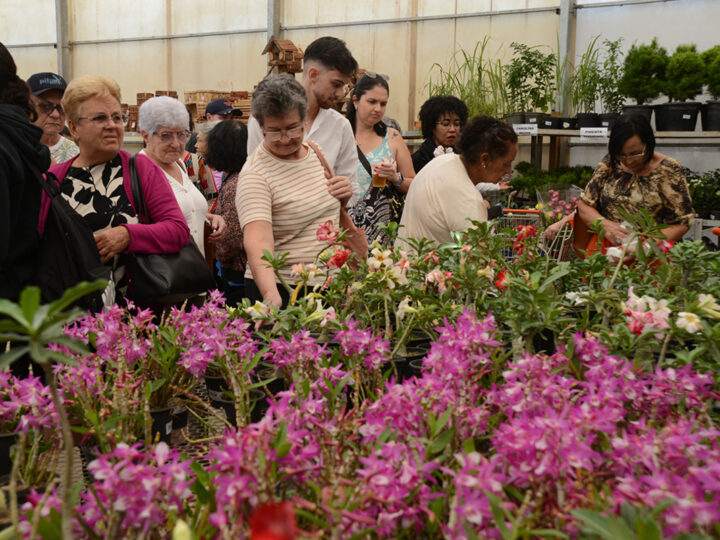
[[666, 245], [327, 233], [500, 281], [339, 258], [273, 521]]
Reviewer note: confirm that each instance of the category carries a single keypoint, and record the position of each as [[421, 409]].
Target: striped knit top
[[293, 196]]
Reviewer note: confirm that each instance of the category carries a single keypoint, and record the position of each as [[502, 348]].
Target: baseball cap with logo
[[43, 82], [221, 106]]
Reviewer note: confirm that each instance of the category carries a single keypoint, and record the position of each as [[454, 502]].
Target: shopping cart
[[558, 248]]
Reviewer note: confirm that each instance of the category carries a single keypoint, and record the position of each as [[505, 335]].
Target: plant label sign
[[593, 133], [526, 129]]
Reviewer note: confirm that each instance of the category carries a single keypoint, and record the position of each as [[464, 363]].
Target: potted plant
[[610, 96], [562, 99], [643, 71], [711, 109], [529, 80], [585, 86], [683, 80]]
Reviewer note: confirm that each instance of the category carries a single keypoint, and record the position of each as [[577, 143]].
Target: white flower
[[576, 298], [689, 321], [441, 150], [379, 258], [404, 308], [258, 310], [613, 253], [709, 305]]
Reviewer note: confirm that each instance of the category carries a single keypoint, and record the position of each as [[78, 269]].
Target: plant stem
[[66, 523], [14, 517], [663, 351]]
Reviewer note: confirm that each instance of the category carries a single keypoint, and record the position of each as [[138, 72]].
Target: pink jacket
[[168, 231]]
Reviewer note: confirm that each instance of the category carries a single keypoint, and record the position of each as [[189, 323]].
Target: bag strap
[[363, 160], [321, 157], [138, 198]]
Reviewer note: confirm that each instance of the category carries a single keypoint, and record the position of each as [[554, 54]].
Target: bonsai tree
[[643, 72], [530, 78], [612, 99], [684, 75], [585, 80], [711, 59]]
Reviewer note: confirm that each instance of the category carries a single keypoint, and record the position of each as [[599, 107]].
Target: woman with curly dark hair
[[20, 189], [442, 118], [227, 151]]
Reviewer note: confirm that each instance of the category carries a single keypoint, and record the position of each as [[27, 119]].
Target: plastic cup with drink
[[380, 181]]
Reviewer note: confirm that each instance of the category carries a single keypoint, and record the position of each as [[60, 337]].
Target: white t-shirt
[[441, 199], [192, 203], [333, 132]]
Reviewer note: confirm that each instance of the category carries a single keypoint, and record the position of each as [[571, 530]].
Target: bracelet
[[400, 176]]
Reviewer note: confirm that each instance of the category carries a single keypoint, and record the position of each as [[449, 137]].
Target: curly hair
[[485, 134], [227, 146], [435, 107], [364, 85], [81, 89], [13, 90], [278, 95]]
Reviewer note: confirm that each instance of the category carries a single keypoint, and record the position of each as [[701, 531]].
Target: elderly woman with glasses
[[164, 125], [385, 170], [284, 194], [633, 176], [96, 183]]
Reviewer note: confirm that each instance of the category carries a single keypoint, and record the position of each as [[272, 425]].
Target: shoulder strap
[[363, 160], [321, 157], [138, 197]]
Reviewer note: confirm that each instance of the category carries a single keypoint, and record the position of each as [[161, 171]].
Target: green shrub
[[684, 74], [711, 59], [644, 70]]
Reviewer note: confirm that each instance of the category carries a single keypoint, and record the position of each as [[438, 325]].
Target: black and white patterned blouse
[[97, 193]]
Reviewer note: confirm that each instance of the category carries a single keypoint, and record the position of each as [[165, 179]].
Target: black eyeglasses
[[48, 108], [373, 75]]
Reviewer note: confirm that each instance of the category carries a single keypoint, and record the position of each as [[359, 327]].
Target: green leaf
[[610, 527], [498, 515], [546, 533], [442, 421], [13, 311], [442, 441], [156, 385], [13, 354], [468, 446], [30, 302], [75, 293]]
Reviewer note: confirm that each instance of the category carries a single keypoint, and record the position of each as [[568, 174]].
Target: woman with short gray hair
[[164, 124], [284, 192]]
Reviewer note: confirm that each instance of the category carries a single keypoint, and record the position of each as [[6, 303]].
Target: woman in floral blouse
[[633, 176]]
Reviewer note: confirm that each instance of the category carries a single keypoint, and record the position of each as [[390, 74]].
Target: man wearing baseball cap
[[47, 90], [217, 109]]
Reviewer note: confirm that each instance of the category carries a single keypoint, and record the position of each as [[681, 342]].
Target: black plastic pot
[[711, 116], [7, 440], [402, 362], [552, 122], [567, 122], [642, 110], [180, 416], [162, 423], [588, 120], [416, 367], [679, 116], [215, 388], [607, 120], [515, 118], [544, 342], [258, 403], [535, 118]]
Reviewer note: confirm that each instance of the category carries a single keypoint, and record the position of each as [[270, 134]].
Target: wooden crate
[[132, 123], [169, 93], [239, 95], [203, 96], [142, 97]]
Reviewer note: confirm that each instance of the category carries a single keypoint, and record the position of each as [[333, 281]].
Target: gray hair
[[206, 127], [277, 96], [162, 111]]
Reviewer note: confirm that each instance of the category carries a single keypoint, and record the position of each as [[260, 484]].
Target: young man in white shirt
[[328, 67]]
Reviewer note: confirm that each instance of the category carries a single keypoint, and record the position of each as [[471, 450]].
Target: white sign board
[[526, 129], [593, 133]]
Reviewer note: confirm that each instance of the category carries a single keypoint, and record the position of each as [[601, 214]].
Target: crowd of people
[[239, 192]]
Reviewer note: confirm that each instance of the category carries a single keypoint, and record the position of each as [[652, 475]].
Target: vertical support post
[[62, 31], [566, 51], [169, 74], [412, 76], [273, 18]]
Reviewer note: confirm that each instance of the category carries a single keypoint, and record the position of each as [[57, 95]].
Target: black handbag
[[165, 278]]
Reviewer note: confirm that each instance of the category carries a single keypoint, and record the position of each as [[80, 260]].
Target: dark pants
[[253, 293]]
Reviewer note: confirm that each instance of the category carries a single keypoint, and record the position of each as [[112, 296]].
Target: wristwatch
[[400, 176]]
